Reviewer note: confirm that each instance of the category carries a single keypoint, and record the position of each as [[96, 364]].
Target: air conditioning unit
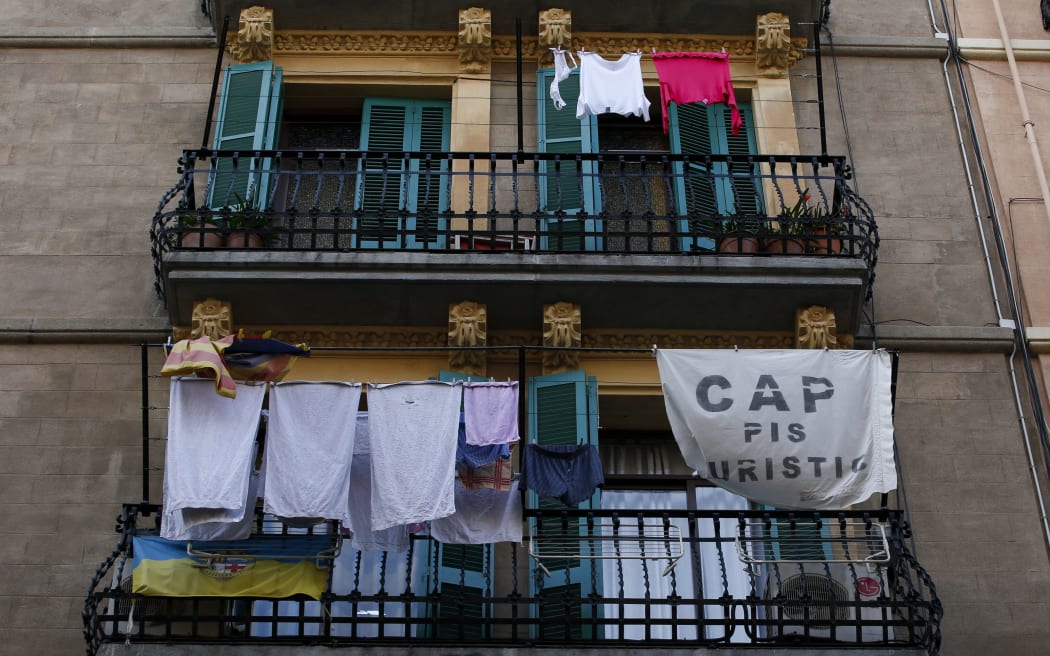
[[826, 601]]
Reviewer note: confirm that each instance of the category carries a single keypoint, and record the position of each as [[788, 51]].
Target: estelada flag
[[261, 359], [271, 566]]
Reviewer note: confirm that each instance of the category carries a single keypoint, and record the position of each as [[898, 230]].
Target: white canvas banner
[[788, 428]]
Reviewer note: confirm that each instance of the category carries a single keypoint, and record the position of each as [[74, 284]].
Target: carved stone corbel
[[254, 42], [773, 45], [555, 31], [467, 326], [562, 327], [475, 39], [211, 318], [815, 328]]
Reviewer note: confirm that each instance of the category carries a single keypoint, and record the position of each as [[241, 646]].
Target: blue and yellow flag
[[269, 566]]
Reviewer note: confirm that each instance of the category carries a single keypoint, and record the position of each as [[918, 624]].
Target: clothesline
[[637, 51]]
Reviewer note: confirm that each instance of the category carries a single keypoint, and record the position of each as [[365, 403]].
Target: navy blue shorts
[[566, 472]]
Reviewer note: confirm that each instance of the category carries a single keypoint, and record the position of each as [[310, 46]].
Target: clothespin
[[723, 50], [654, 50], [735, 347], [654, 350]]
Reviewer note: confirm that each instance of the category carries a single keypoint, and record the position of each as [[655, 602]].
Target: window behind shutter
[[566, 188], [248, 119]]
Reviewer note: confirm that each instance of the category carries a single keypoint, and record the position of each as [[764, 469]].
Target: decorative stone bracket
[[475, 39], [815, 328], [468, 326], [773, 45], [562, 327], [555, 31], [254, 42]]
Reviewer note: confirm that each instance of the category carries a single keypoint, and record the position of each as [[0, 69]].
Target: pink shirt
[[689, 77]]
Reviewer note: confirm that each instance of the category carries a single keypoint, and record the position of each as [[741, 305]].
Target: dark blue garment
[[477, 456], [567, 472]]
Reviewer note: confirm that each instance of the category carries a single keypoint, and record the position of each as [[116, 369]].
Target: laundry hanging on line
[[696, 77]]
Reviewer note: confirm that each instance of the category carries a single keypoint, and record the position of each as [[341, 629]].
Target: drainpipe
[[1026, 118], [1018, 326]]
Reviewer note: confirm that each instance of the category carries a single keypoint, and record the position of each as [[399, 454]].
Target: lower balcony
[[687, 241], [624, 578]]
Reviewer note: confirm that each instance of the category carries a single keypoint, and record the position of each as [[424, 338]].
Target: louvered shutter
[[708, 192], [248, 119], [395, 187], [563, 409], [567, 188], [431, 182], [745, 187]]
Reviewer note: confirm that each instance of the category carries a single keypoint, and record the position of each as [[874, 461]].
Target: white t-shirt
[[611, 87]]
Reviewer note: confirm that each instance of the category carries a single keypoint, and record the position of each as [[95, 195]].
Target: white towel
[[482, 516], [413, 429], [309, 446], [174, 528], [210, 445], [364, 538], [490, 413]]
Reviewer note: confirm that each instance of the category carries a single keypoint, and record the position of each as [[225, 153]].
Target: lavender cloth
[[490, 412]]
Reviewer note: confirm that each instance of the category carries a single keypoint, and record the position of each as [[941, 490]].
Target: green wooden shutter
[[566, 189], [706, 194], [744, 192], [393, 189], [249, 119], [462, 588], [563, 409]]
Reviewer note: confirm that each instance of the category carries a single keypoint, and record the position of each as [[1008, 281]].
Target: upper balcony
[[709, 241], [709, 16]]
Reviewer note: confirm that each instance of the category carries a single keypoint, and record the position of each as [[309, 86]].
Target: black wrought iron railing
[[643, 578], [589, 204]]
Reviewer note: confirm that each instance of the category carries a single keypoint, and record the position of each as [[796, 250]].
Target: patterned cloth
[[495, 475], [202, 357]]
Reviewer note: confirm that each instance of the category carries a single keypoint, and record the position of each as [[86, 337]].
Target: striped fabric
[[202, 357]]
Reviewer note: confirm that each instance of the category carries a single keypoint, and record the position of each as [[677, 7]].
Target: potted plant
[[246, 226], [792, 226], [198, 230], [740, 236]]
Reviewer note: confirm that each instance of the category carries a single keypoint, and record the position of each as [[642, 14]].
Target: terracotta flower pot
[[206, 235], [746, 244], [787, 245], [823, 243], [244, 239]]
